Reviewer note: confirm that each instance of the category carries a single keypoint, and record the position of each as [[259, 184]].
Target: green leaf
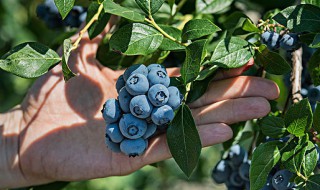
[[314, 68], [29, 60], [264, 158], [67, 73], [167, 44], [272, 62], [300, 18], [313, 2], [150, 6], [310, 159], [313, 182], [273, 126], [207, 72], [232, 53], [212, 6], [298, 118], [249, 26], [136, 39], [178, 82], [195, 54], [316, 41], [98, 26], [64, 6], [300, 156], [316, 118], [113, 8], [237, 131], [198, 88], [234, 22], [197, 28], [184, 141]]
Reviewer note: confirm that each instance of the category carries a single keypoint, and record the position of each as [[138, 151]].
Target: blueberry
[[115, 147], [289, 41], [151, 129], [73, 18], [140, 106], [314, 93], [265, 37], [124, 100], [158, 76], [155, 65], [41, 11], [120, 83], [137, 84], [268, 185], [83, 17], [280, 180], [175, 98], [236, 180], [271, 39], [132, 127], [135, 69], [247, 185], [221, 172], [113, 131], [111, 111], [133, 147], [158, 95], [237, 155], [162, 115], [52, 8], [244, 170]]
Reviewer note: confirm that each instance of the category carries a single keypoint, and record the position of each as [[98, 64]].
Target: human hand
[[62, 131]]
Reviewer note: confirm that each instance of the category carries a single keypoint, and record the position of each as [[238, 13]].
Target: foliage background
[[18, 24]]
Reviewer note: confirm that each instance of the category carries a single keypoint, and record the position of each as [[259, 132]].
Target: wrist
[[10, 172]]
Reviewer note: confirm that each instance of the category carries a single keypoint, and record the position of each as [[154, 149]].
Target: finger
[[223, 74], [209, 134], [232, 111], [238, 87]]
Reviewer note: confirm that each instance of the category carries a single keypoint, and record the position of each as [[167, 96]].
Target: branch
[[296, 75]]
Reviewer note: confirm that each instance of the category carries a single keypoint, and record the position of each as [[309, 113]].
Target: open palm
[[62, 132]]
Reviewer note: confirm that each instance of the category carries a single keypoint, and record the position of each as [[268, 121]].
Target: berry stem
[[86, 27], [296, 75], [153, 23]]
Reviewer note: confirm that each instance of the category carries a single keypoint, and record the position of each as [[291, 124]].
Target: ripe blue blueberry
[[137, 84], [151, 129], [237, 155], [135, 69], [158, 76], [314, 93], [271, 39], [114, 147], [132, 127], [120, 83], [162, 115], [265, 37], [289, 41], [236, 180], [175, 98], [124, 100], [158, 95], [268, 185], [113, 131], [133, 147], [155, 65], [73, 18], [221, 172], [281, 180], [111, 111], [244, 170], [140, 106]]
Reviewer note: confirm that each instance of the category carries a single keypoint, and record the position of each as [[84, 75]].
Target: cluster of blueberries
[[274, 40], [146, 102], [48, 12], [233, 170]]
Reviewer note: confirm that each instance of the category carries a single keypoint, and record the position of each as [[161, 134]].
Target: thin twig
[[296, 75]]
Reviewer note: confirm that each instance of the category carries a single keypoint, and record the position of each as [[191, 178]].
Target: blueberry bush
[[279, 151]]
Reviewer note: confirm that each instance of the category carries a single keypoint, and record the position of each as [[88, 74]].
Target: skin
[[57, 133]]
